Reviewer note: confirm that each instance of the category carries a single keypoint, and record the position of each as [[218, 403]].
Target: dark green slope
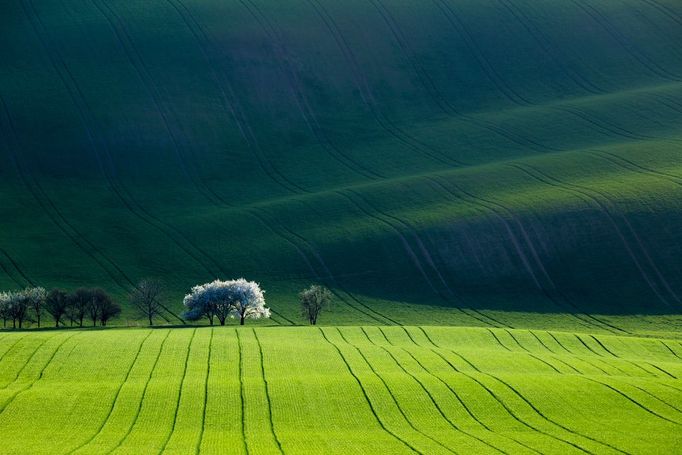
[[499, 155]]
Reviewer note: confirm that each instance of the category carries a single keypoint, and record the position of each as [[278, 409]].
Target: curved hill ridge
[[506, 154]]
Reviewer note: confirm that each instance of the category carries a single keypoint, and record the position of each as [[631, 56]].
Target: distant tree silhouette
[[56, 304], [147, 297], [313, 301]]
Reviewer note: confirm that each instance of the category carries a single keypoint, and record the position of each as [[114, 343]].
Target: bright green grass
[[417, 155], [338, 390]]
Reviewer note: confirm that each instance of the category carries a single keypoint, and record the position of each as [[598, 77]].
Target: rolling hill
[[438, 161]]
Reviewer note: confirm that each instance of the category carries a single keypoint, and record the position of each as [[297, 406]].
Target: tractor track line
[[298, 94], [637, 403], [329, 275], [289, 238], [230, 103], [390, 393], [593, 201], [450, 388], [435, 94], [242, 402], [142, 397], [118, 391], [205, 402], [267, 392], [428, 393], [179, 397], [449, 294], [98, 146], [406, 246], [366, 396], [29, 386], [16, 267], [494, 208], [495, 396], [27, 362], [528, 402], [367, 95]]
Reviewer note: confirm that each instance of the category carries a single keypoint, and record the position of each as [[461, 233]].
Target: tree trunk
[[241, 320], [150, 320]]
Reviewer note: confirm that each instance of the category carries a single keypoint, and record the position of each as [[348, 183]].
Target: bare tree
[[78, 303], [18, 308], [35, 298], [98, 302], [108, 310], [313, 301], [147, 297], [56, 304]]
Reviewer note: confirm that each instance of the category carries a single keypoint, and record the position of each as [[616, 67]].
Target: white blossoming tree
[[222, 299]]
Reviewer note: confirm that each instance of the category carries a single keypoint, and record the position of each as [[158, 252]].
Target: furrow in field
[[632, 400], [630, 47], [426, 255], [115, 399], [29, 385], [503, 215], [367, 95], [267, 391], [202, 427], [430, 393], [629, 362], [434, 374], [528, 352], [435, 94], [257, 408], [551, 52], [25, 280], [498, 398], [625, 163], [188, 420], [404, 418], [101, 150], [228, 98], [140, 401], [587, 196], [120, 29], [446, 296], [552, 422], [488, 69], [334, 281], [301, 244], [404, 408], [223, 429], [11, 276], [178, 399], [665, 10], [307, 113], [26, 363], [366, 395], [671, 350], [50, 209], [69, 82]]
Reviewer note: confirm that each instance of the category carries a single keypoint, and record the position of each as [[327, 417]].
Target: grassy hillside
[[373, 389], [494, 156]]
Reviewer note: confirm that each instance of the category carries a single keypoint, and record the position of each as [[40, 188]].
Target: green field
[[492, 189], [338, 390]]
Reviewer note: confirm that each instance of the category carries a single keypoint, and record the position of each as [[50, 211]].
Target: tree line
[[218, 300], [29, 305]]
